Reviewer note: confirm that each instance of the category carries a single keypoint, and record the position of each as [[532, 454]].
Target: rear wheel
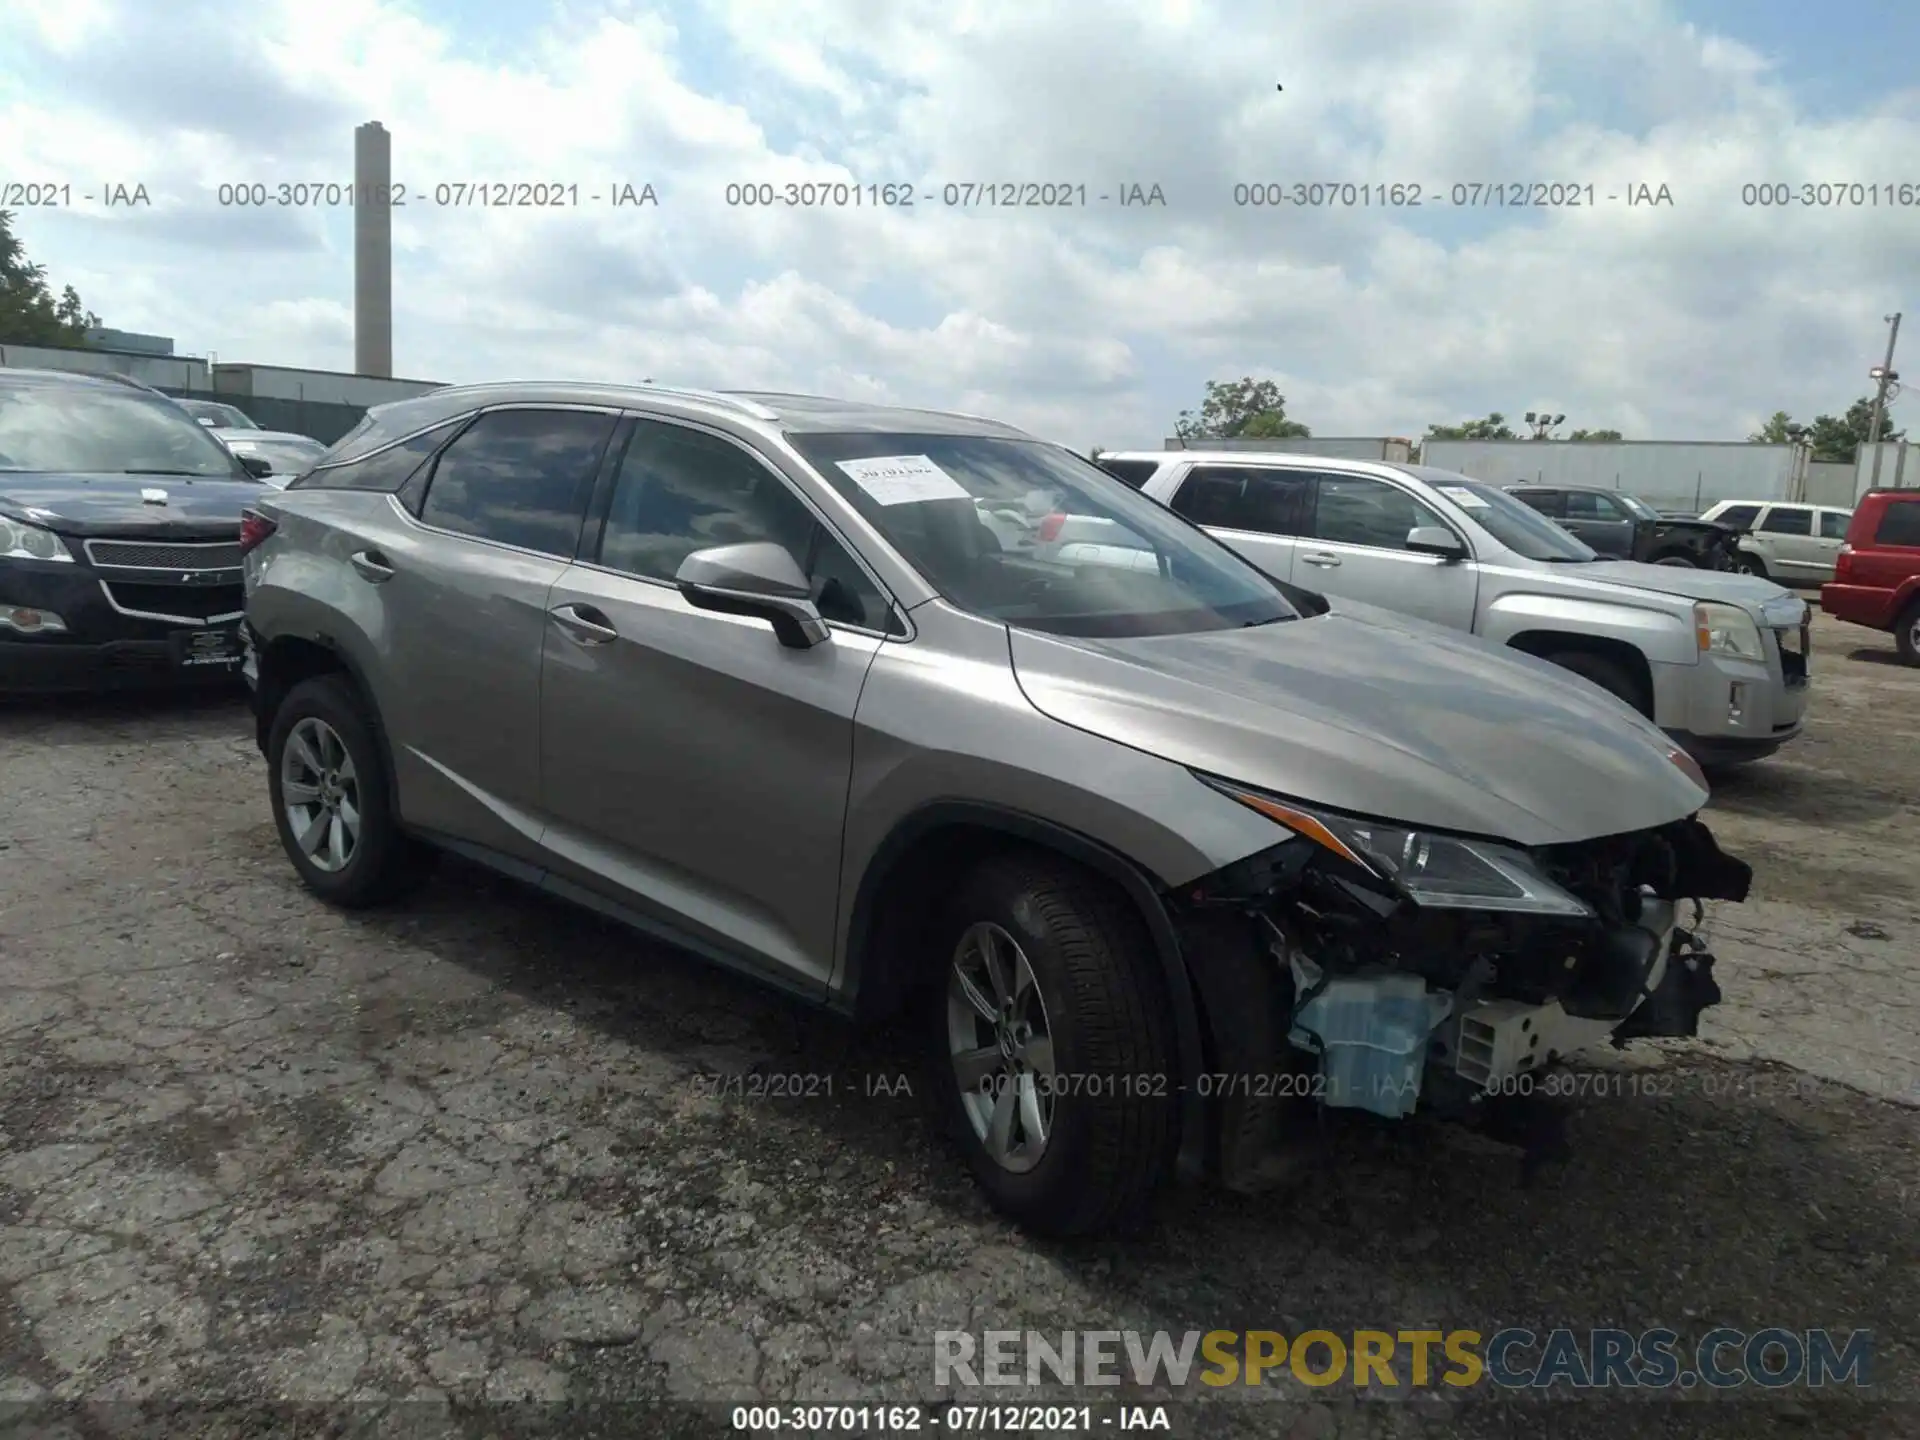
[[1609, 674], [1906, 634], [328, 788], [1052, 1055]]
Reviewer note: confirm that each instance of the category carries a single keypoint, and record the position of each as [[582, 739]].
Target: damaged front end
[[1388, 969]]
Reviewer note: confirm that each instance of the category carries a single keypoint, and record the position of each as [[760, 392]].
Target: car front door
[[1788, 543], [694, 770], [463, 588], [1601, 521], [1356, 547], [1260, 511]]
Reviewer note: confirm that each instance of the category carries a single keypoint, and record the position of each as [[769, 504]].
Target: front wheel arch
[[289, 659], [1617, 654]]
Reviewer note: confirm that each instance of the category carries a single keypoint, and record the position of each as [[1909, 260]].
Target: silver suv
[[1158, 856]]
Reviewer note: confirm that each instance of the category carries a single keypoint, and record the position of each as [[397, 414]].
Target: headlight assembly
[[21, 541], [1438, 872], [1726, 630]]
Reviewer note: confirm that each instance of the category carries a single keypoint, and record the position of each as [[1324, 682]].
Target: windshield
[[1511, 521], [1032, 535], [288, 457], [1640, 509], [87, 429]]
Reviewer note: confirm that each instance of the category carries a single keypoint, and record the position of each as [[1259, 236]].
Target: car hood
[[1722, 585], [1399, 721], [112, 504]]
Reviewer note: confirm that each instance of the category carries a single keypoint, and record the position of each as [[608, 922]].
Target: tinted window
[[388, 469], [1359, 510], [1585, 505], [682, 490], [1074, 551], [1787, 520], [1547, 502], [1737, 517], [1833, 524], [1899, 525], [1270, 502], [1134, 472], [1638, 508], [519, 477]]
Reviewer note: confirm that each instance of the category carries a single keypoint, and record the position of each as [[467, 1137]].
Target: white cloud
[[1092, 324]]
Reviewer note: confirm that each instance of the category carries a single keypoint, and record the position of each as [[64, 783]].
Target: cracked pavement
[[465, 1156]]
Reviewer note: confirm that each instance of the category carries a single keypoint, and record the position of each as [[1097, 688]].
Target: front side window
[[1360, 510], [104, 430], [1639, 508], [1547, 502], [1244, 497], [1033, 536], [680, 490], [1787, 520], [1833, 524], [1585, 505], [519, 477]]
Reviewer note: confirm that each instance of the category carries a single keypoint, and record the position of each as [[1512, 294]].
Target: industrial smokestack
[[373, 250]]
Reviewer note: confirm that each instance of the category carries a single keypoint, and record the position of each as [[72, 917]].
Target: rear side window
[[1130, 472], [519, 477], [1833, 524], [1787, 520], [387, 470], [1899, 524], [1236, 497], [1737, 517]]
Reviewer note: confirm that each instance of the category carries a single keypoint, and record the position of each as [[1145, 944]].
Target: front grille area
[[179, 556], [1793, 643], [190, 603]]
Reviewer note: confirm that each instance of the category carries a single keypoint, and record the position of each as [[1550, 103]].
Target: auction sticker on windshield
[[1460, 495], [903, 479]]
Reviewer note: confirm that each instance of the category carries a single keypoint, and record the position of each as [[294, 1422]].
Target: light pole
[[1885, 374], [1543, 423]]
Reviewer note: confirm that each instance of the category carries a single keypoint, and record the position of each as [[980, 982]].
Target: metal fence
[[325, 423]]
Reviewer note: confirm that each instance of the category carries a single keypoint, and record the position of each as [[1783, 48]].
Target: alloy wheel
[[1001, 1046], [320, 791]]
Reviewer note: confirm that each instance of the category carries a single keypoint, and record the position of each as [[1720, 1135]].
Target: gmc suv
[[1156, 856]]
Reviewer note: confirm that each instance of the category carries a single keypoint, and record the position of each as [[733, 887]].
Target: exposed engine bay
[[1377, 989]]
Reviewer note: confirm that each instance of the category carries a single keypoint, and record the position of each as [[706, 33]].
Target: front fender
[[1660, 635]]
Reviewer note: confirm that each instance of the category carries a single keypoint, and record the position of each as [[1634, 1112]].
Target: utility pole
[[1886, 377]]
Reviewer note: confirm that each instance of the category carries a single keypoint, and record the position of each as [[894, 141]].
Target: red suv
[[1876, 579]]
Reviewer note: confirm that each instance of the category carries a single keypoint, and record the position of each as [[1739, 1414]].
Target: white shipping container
[[1899, 467], [169, 371], [325, 387], [1678, 475]]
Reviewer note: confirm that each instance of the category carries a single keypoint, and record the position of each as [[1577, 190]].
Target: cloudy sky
[[1092, 323]]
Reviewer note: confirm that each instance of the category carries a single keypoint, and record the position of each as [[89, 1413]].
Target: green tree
[[1774, 432], [1596, 435], [1494, 427], [30, 313], [1834, 439], [1246, 409]]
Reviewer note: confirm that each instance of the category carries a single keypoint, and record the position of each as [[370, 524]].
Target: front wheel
[[1751, 565], [1052, 1056]]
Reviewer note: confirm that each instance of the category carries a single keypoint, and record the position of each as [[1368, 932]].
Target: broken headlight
[[1437, 872]]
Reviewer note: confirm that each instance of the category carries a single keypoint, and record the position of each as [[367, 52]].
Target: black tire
[[1680, 560], [1906, 634], [1609, 674], [385, 862], [1110, 1146], [1751, 565]]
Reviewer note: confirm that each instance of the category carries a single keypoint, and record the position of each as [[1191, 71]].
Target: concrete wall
[[327, 387], [1899, 467], [158, 370], [1829, 483], [1678, 475], [1339, 447]]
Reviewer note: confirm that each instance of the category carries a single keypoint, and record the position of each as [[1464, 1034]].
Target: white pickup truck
[[1717, 660]]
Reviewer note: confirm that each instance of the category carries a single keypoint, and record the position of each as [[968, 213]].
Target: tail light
[[1843, 565], [1050, 528], [254, 530]]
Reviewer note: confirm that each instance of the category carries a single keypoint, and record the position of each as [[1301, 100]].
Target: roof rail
[[717, 397]]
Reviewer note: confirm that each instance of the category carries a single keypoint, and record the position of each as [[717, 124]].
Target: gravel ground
[[461, 1161]]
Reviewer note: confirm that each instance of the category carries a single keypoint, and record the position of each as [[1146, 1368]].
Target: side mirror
[[256, 465], [760, 580], [1436, 540]]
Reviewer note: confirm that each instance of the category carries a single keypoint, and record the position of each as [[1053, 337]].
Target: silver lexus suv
[[1159, 853]]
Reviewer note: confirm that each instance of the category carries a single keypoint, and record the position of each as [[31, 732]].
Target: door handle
[[1322, 559], [372, 566], [585, 624]]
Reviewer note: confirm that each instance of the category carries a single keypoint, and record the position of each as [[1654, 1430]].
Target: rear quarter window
[[388, 469], [1899, 524], [1129, 472]]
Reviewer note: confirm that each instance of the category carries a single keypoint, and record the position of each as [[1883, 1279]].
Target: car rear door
[[463, 589], [694, 770], [1258, 510], [1830, 533], [1786, 540], [1356, 547], [1600, 520]]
